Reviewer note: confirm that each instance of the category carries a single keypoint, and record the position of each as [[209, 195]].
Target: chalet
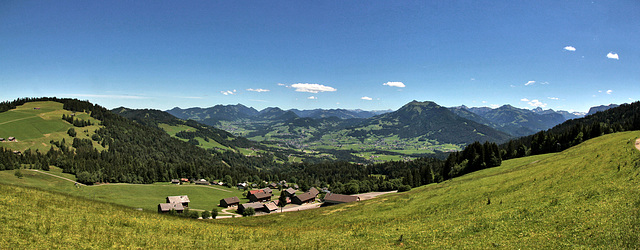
[[1, 139], [166, 207], [300, 199], [268, 190], [273, 185], [295, 186], [214, 183], [289, 192], [256, 191], [332, 198], [175, 181], [270, 207], [259, 197], [257, 206], [202, 182], [182, 199], [11, 138], [242, 185], [184, 180], [230, 202]]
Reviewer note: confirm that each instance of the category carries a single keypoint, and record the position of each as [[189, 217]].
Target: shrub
[[18, 173], [404, 188], [205, 214], [214, 213], [249, 212]]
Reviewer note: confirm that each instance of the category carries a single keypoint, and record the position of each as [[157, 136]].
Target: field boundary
[[67, 179]]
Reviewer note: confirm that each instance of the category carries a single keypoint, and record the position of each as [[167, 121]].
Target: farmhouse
[[11, 138], [273, 185], [182, 199], [242, 185], [175, 181], [289, 192], [257, 206], [1, 139], [268, 190], [270, 207], [332, 198], [202, 182], [230, 202], [166, 207], [259, 197], [314, 191], [255, 191], [184, 180], [307, 197]]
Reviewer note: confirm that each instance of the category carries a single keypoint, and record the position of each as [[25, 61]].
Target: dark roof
[[306, 196], [254, 205], [231, 200], [339, 198], [290, 190], [261, 195], [166, 207], [202, 182], [314, 191], [178, 199], [267, 190]]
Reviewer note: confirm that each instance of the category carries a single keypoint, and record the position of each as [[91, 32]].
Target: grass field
[[146, 197], [35, 124], [584, 197]]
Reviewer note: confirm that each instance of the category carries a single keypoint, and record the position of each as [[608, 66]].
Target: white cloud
[[312, 98], [494, 106], [609, 91], [258, 90], [394, 84], [529, 83], [366, 98], [570, 48], [484, 101], [473, 79], [599, 91], [544, 83], [281, 84], [524, 100], [536, 103], [312, 87], [612, 55], [553, 98], [228, 92]]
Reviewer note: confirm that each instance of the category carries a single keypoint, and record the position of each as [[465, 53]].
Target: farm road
[[18, 120], [35, 170]]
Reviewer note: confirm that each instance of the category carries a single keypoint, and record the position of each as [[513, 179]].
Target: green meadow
[[584, 197], [142, 196], [35, 124]]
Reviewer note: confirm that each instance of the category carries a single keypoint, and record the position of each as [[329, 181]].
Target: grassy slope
[[587, 196], [146, 197], [34, 128]]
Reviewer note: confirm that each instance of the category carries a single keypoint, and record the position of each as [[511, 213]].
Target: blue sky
[[372, 55]]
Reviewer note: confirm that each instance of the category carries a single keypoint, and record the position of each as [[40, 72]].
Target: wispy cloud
[[394, 84], [312, 87], [108, 96], [612, 55], [366, 98], [553, 98], [609, 91], [259, 90], [312, 98], [524, 100], [570, 48], [529, 83], [228, 92], [494, 106]]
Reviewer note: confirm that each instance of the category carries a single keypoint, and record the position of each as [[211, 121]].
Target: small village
[[260, 201]]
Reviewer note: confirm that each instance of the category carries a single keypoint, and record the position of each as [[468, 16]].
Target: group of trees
[[75, 121], [626, 117], [194, 214]]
